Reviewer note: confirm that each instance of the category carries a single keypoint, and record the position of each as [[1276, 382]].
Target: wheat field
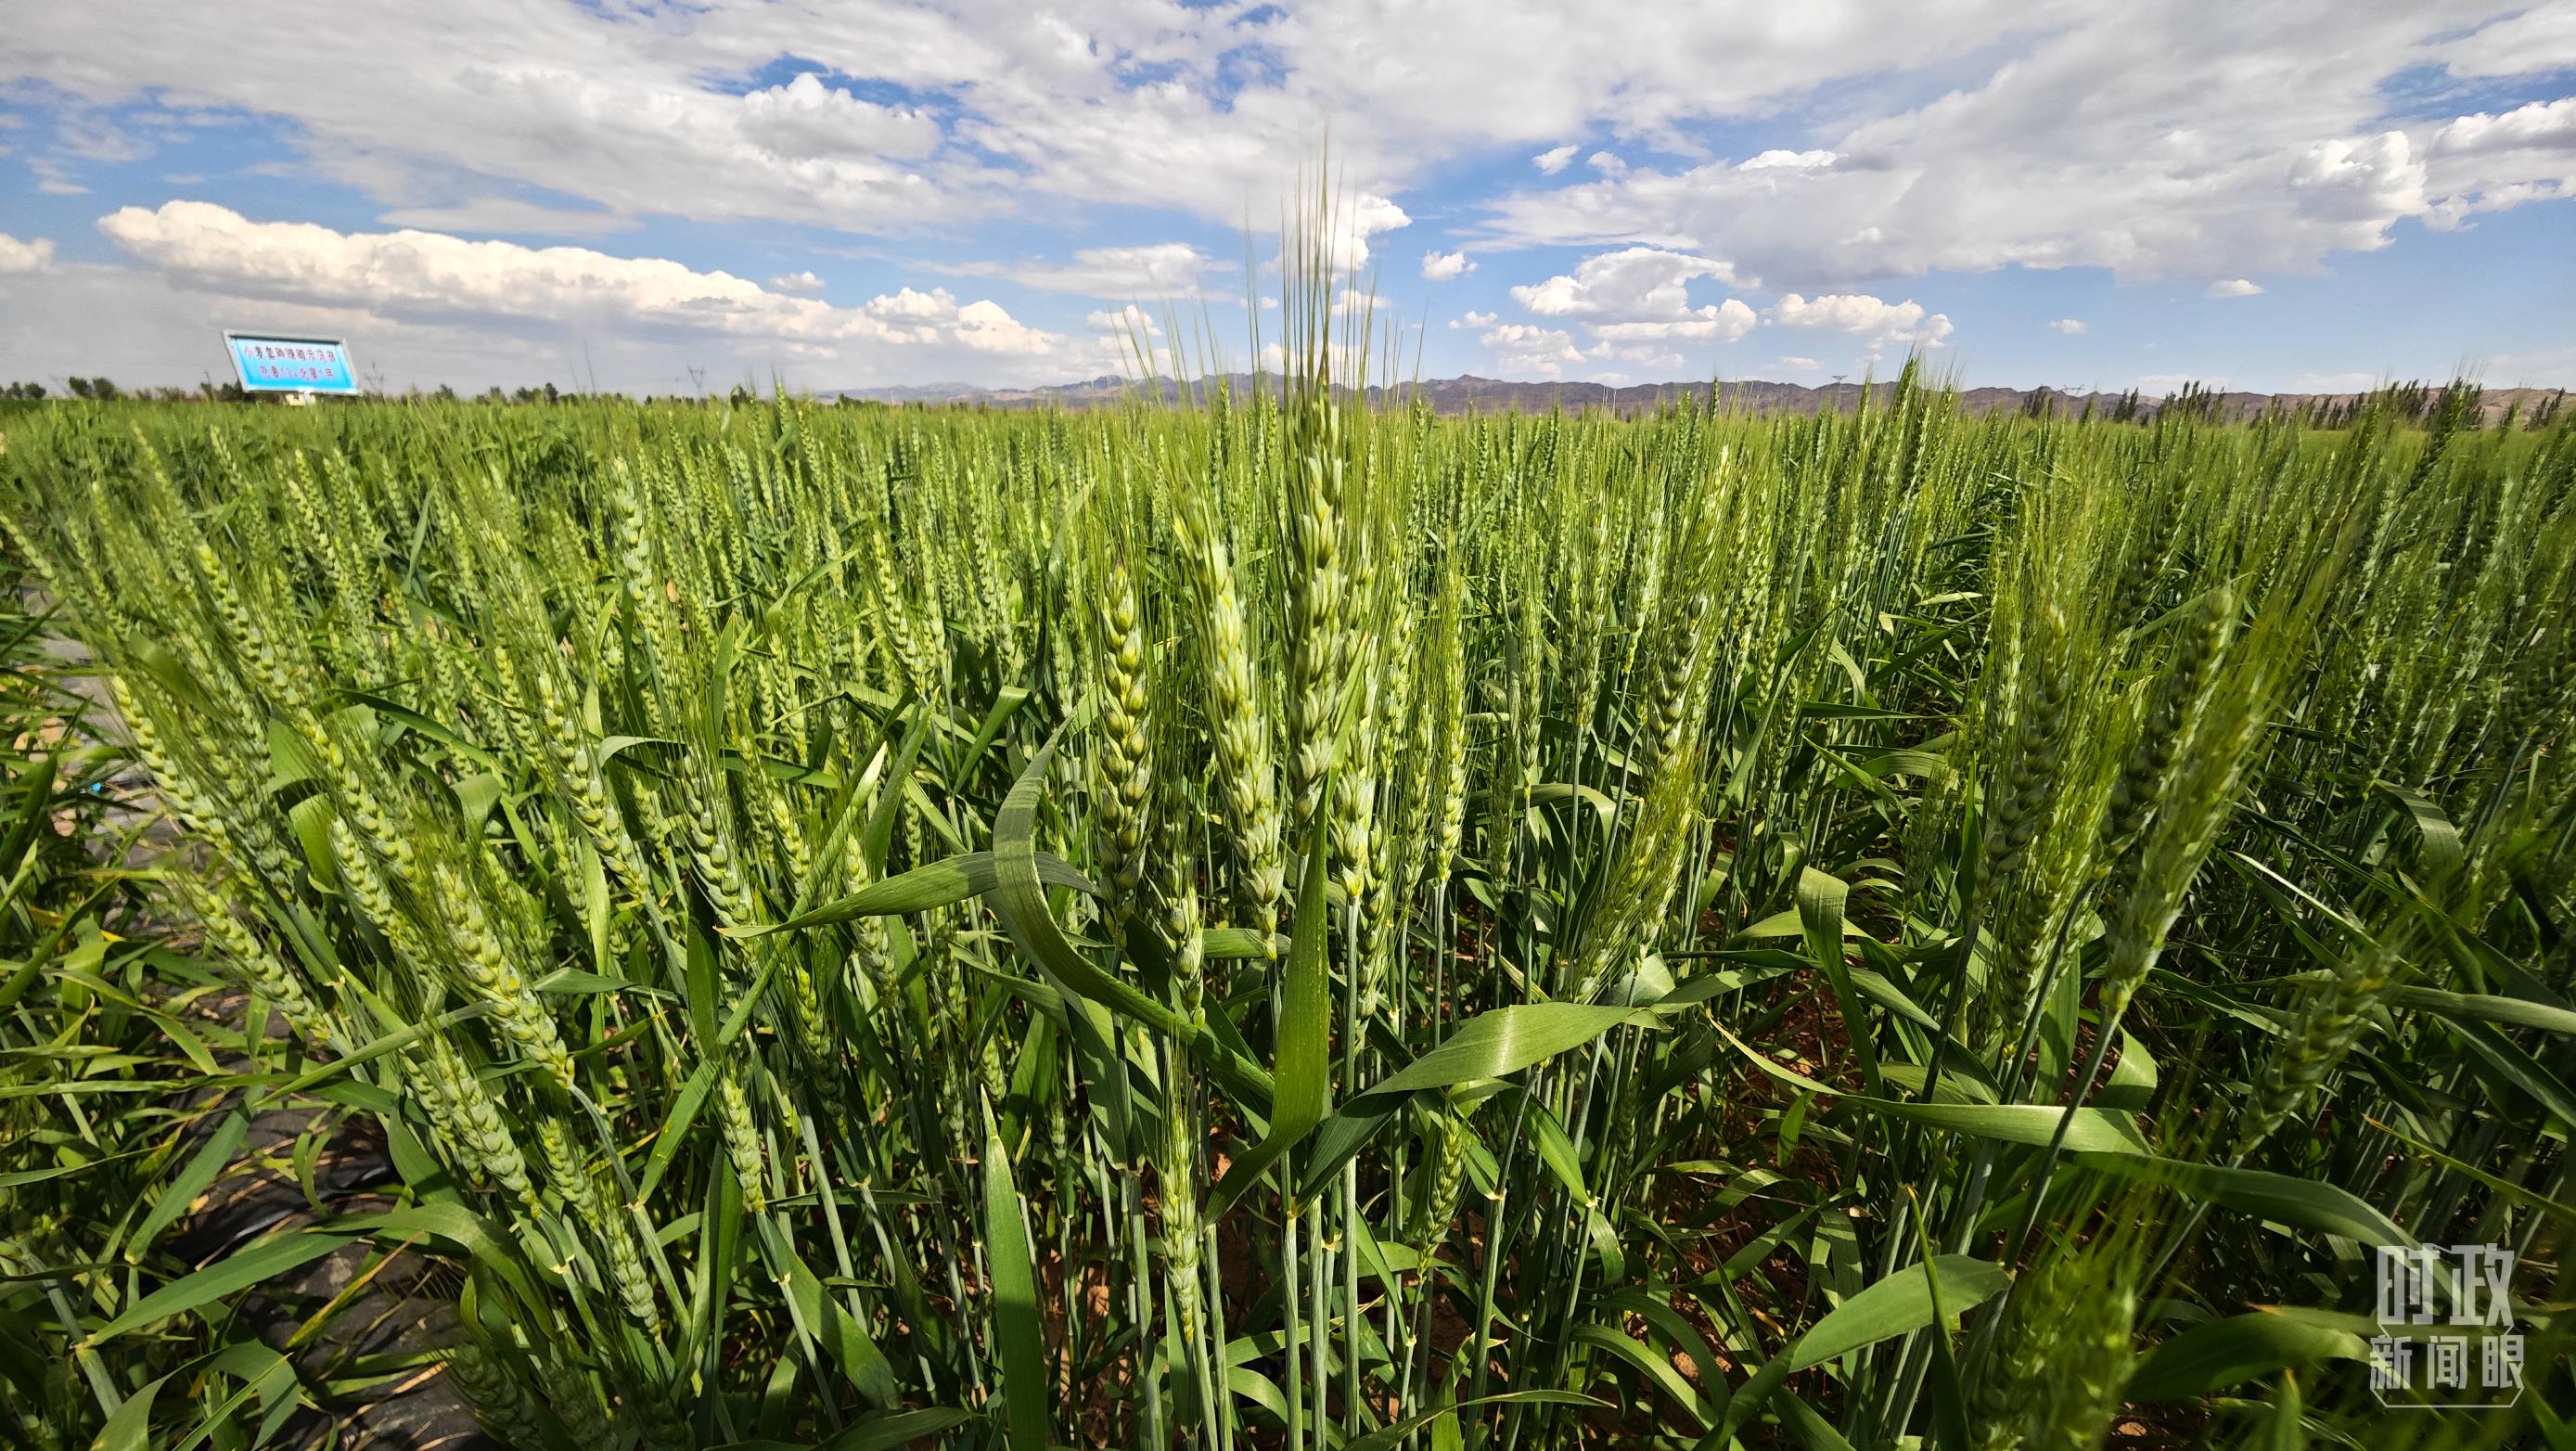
[[1282, 923]]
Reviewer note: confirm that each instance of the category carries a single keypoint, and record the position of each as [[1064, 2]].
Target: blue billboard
[[291, 365]]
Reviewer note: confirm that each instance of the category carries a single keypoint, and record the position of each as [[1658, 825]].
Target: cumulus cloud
[[428, 275], [1555, 160], [2359, 182], [1474, 319], [1606, 163], [1634, 283], [18, 256], [2071, 326], [2542, 125], [2232, 287], [1446, 266], [1874, 320], [1130, 321], [2483, 162], [1354, 225], [1640, 295], [802, 284], [1722, 322], [806, 118], [1794, 364], [1519, 347]]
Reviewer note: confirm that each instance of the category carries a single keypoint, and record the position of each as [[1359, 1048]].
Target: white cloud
[[55, 179], [1474, 319], [805, 119], [428, 278], [1154, 272], [430, 106], [2071, 326], [93, 137], [1645, 356], [2361, 182], [2483, 163], [1872, 319], [1519, 347], [1355, 221], [1606, 163], [2334, 382], [2024, 132], [1797, 365], [2542, 38], [2232, 287], [17, 256], [2189, 141], [802, 284], [127, 323], [986, 326], [504, 214], [2541, 368], [1446, 266], [1638, 282], [119, 322], [2194, 141], [2542, 125], [1130, 321], [1722, 322], [1797, 160], [1463, 79], [1641, 294]]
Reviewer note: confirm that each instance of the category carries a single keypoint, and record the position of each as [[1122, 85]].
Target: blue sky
[[648, 196]]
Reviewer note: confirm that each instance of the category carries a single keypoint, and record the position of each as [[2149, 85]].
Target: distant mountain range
[[1468, 393]]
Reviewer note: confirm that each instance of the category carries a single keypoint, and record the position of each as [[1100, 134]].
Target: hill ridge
[[1470, 393]]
